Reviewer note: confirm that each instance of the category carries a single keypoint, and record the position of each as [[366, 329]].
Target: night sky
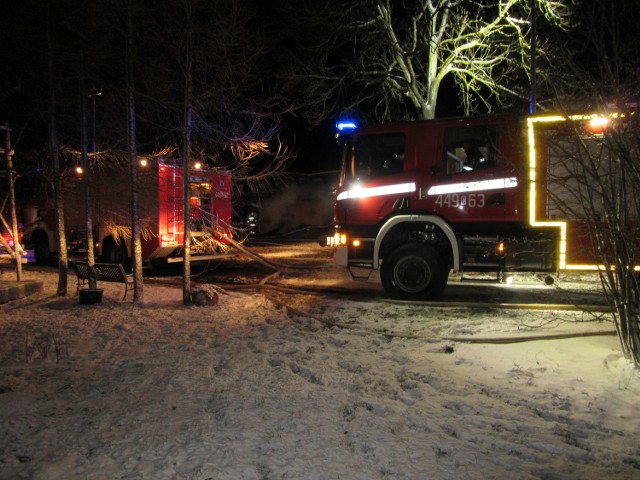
[[241, 63]]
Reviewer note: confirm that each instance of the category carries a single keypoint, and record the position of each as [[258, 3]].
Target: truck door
[[375, 178], [170, 206], [475, 178], [200, 204]]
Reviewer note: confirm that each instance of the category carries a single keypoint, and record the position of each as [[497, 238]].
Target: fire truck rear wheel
[[413, 272], [41, 250], [114, 252]]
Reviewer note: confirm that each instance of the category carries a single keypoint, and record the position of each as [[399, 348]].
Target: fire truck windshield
[[377, 155]]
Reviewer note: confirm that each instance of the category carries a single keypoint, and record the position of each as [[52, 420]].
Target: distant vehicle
[[160, 198], [8, 238], [474, 194]]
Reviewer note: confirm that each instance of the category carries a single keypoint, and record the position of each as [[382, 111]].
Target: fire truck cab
[[417, 200]]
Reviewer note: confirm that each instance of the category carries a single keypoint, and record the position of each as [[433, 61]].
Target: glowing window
[[469, 148]]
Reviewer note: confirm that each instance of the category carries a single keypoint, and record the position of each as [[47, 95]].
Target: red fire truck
[[160, 197], [419, 199]]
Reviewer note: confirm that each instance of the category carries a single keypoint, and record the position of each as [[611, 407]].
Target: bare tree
[[234, 109], [597, 170], [87, 173], [132, 148], [17, 249], [600, 168], [187, 128], [63, 261], [398, 54]]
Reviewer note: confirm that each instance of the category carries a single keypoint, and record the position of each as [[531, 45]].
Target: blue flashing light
[[346, 125]]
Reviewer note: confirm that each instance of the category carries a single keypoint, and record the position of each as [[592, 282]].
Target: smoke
[[306, 203]]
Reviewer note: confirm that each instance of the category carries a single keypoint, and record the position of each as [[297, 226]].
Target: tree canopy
[[395, 57]]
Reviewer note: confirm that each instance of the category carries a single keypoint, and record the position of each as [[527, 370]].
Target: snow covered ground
[[330, 388]]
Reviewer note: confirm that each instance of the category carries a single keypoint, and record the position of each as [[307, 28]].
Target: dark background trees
[[237, 109], [70, 76]]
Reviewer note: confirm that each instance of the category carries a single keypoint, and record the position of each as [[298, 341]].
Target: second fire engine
[[161, 212]]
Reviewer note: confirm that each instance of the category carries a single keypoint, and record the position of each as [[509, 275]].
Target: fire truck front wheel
[[413, 272]]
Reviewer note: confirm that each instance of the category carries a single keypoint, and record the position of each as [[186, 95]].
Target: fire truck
[[161, 213], [418, 200]]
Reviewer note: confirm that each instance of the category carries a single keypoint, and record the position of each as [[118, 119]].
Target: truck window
[[469, 148], [378, 155]]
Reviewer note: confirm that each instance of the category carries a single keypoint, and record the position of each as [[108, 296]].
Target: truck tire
[[41, 250], [413, 272], [114, 252]]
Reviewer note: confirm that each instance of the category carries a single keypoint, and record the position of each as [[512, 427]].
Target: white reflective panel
[[495, 184], [377, 191]]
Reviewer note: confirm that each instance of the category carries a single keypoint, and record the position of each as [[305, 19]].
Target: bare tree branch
[[399, 53]]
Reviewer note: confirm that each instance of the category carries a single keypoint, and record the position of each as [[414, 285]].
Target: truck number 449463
[[455, 200]]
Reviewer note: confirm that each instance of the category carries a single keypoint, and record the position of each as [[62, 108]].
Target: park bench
[[105, 272]]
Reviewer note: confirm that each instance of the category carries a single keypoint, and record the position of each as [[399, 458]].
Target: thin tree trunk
[[186, 159], [136, 254], [63, 262], [17, 249], [86, 176]]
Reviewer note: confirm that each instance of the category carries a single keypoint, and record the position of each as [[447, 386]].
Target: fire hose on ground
[[266, 290]]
